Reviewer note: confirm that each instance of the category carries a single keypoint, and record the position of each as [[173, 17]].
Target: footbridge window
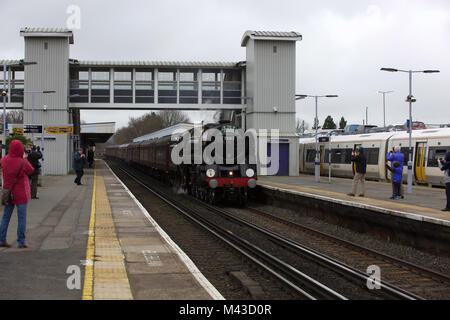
[[211, 86], [188, 86], [17, 85], [100, 88], [167, 86], [144, 86], [123, 86], [79, 85], [232, 87]]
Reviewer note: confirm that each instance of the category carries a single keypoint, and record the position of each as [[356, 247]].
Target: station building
[[55, 87]]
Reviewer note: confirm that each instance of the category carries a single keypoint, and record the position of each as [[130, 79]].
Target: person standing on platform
[[16, 169], [444, 164], [90, 157], [397, 171], [33, 157], [78, 164], [359, 159], [399, 157]]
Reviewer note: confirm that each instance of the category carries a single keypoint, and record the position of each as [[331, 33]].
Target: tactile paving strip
[[110, 276]]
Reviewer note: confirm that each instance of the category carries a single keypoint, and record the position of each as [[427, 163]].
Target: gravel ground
[[437, 263], [327, 277]]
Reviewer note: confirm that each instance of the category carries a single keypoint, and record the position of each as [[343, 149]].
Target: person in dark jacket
[[397, 171], [78, 165], [359, 159], [444, 164], [34, 156], [15, 164], [90, 157]]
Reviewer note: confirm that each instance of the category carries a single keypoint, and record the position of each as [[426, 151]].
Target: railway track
[[294, 279], [417, 279], [286, 272]]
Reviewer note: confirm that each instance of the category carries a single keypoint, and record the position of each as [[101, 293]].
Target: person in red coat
[[21, 193]]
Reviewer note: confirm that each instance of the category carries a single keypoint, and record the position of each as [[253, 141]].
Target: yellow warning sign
[[17, 131], [59, 130]]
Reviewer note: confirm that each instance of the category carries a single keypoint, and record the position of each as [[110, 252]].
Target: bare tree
[[172, 117], [301, 126], [14, 116]]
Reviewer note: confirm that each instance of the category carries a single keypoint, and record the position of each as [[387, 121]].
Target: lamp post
[[384, 105], [316, 124], [409, 99], [4, 94]]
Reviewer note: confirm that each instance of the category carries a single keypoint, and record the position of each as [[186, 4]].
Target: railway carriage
[[428, 146], [209, 182]]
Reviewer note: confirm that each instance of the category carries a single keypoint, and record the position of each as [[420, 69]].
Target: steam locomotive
[[223, 174]]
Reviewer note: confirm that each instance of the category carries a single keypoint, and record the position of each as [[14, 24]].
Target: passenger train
[[428, 146], [208, 182]]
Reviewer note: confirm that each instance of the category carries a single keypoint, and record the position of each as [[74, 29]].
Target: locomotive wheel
[[243, 199], [194, 191], [212, 197]]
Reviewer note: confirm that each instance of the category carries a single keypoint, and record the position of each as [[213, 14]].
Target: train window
[[435, 153], [326, 156], [310, 155], [336, 156], [405, 151], [372, 155], [348, 155], [339, 156]]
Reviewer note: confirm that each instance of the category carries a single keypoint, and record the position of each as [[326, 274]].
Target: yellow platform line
[[90, 250], [109, 272]]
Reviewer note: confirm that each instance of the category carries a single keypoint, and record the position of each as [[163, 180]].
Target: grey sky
[[344, 45]]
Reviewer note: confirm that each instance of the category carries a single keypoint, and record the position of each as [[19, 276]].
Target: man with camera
[[444, 165], [34, 155], [359, 159]]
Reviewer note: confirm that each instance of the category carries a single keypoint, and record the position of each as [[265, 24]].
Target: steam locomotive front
[[231, 174]]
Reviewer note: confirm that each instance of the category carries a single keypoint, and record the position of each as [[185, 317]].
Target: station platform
[[96, 241], [424, 204]]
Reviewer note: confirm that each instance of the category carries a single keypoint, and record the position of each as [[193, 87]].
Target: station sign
[[18, 131], [59, 129], [30, 128]]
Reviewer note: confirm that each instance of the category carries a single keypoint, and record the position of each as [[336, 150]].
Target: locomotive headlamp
[[230, 173], [210, 173], [250, 172]]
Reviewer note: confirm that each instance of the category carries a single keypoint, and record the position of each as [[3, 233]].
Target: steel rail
[[375, 253], [320, 258], [286, 273]]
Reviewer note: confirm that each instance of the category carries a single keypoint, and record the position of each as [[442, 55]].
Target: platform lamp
[[316, 124], [384, 105], [410, 99], [4, 95]]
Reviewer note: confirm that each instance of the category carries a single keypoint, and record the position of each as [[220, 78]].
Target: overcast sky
[[344, 45]]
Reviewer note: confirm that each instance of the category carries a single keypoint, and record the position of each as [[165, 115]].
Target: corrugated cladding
[[271, 83], [50, 73]]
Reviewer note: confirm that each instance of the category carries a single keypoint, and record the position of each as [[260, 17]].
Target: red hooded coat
[[10, 168]]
